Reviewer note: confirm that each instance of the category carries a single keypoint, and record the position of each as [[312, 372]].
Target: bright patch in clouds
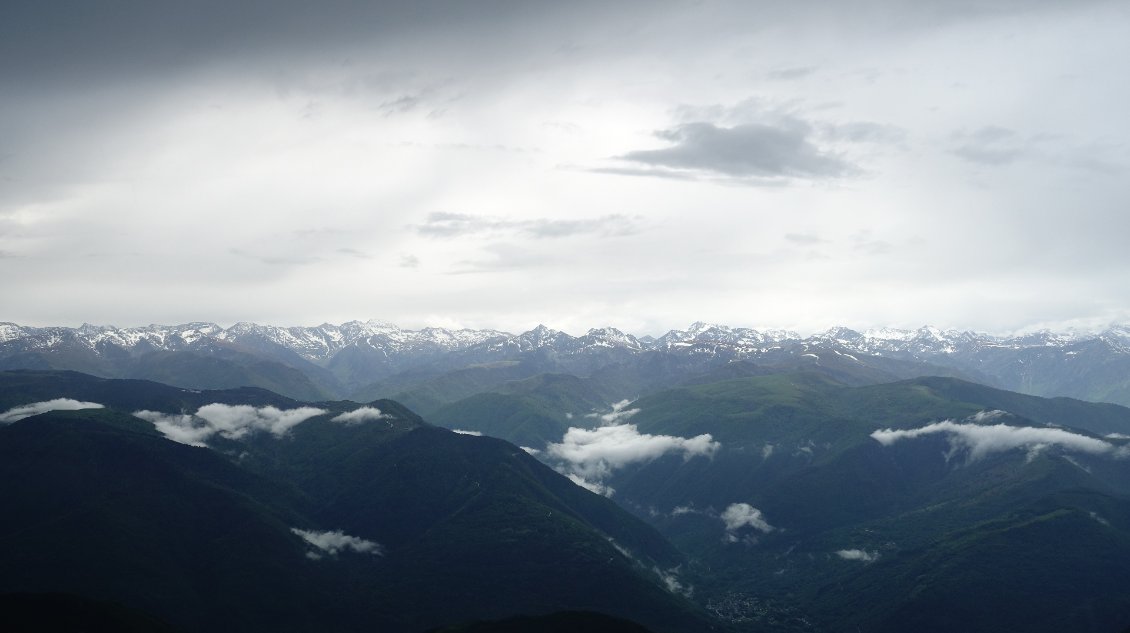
[[16, 414], [591, 455], [979, 441], [229, 421], [335, 541]]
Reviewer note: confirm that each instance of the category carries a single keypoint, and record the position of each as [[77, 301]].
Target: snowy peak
[[610, 337], [742, 340], [542, 336], [842, 336], [323, 343]]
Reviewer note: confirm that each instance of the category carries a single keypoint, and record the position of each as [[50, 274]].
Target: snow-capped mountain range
[[337, 360]]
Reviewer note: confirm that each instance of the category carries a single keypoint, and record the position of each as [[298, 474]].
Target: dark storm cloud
[[756, 150], [444, 224], [76, 40], [94, 40]]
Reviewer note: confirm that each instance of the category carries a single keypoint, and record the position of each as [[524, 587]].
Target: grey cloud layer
[[443, 224], [276, 156], [750, 150]]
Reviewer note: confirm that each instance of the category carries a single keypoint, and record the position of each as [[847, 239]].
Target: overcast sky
[[579, 164]]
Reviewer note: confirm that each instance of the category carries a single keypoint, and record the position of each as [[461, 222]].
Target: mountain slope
[[803, 514], [260, 529], [367, 360]]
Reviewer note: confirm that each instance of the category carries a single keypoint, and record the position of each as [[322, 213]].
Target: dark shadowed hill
[[564, 622], [386, 524]]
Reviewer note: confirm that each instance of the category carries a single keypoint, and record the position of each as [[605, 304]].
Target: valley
[[729, 494]]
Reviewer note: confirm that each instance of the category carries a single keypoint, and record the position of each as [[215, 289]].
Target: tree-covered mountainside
[[935, 503], [377, 521], [776, 502]]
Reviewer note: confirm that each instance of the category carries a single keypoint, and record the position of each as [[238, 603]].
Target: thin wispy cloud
[[333, 542], [619, 414], [449, 225], [789, 74], [990, 145], [21, 412], [978, 441]]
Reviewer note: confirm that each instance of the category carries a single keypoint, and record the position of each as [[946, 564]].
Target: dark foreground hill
[[63, 613], [563, 622], [383, 524]]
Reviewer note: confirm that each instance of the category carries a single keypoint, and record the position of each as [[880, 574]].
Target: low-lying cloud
[[588, 456], [979, 441], [672, 582], [360, 415], [739, 515], [229, 421], [620, 413], [857, 554], [15, 414], [333, 542], [463, 432]]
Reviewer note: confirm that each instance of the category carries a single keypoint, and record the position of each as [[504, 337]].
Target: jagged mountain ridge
[[343, 359]]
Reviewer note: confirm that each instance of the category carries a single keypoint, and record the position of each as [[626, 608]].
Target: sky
[[492, 164]]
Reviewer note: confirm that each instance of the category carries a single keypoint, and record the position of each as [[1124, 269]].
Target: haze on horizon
[[503, 164]]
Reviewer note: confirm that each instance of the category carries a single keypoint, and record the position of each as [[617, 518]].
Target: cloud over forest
[[229, 421], [333, 542], [360, 415], [739, 515], [979, 441], [16, 414], [589, 456], [857, 555]]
